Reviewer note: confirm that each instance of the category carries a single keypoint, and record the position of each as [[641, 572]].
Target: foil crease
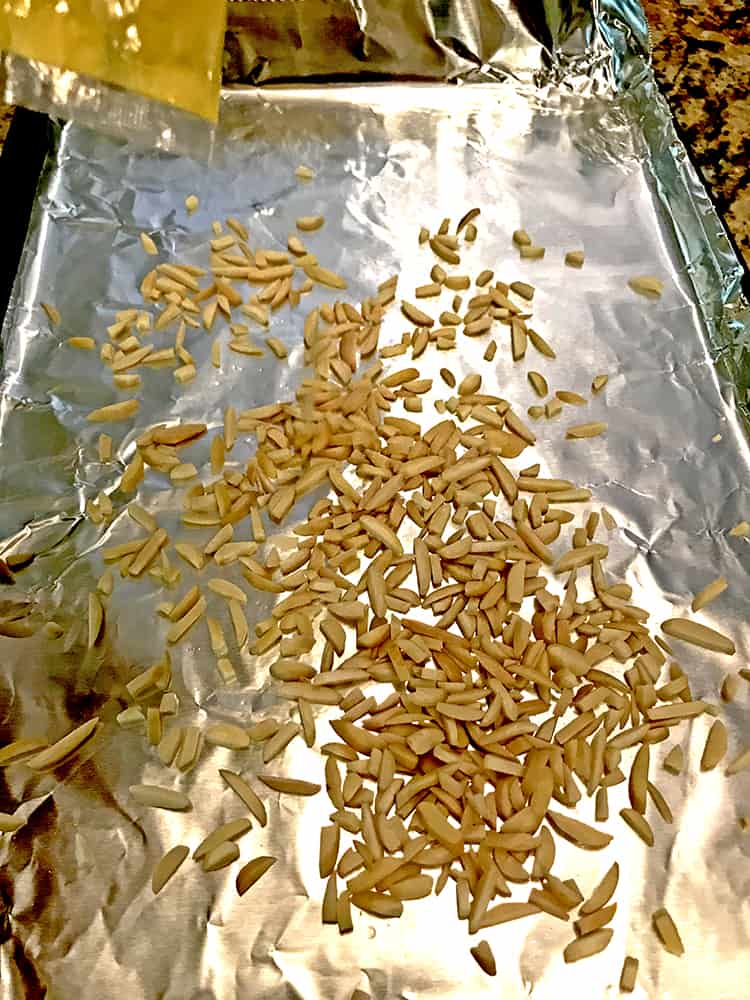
[[576, 45], [577, 171]]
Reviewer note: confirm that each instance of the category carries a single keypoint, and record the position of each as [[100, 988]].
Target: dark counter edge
[[29, 139]]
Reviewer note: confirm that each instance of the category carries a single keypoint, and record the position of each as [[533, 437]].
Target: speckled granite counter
[[702, 61]]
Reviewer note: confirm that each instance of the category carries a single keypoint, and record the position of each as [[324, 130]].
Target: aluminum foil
[[603, 175]]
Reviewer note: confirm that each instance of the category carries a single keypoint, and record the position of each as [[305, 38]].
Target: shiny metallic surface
[[603, 175]]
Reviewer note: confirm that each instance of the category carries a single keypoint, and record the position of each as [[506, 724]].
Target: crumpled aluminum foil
[[606, 175]]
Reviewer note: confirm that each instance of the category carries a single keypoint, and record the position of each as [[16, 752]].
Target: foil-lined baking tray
[[600, 173]]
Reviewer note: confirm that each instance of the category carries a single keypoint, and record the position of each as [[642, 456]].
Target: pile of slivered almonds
[[518, 680]]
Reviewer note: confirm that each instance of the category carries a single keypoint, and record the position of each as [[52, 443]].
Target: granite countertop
[[702, 62]]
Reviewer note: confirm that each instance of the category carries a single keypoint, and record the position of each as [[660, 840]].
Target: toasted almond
[[9, 823], [51, 756], [740, 763], [250, 873], [228, 590], [590, 430], [183, 625], [226, 734], [220, 856], [309, 223], [115, 411], [232, 830], [647, 285], [279, 741], [639, 825], [382, 532], [588, 945], [674, 761], [602, 894], [538, 383], [242, 789], [379, 904], [715, 747], [160, 798], [709, 593], [167, 866], [667, 932], [730, 687], [289, 786], [82, 343], [638, 781], [148, 245], [629, 974], [698, 635], [482, 954], [574, 258], [53, 314], [578, 833]]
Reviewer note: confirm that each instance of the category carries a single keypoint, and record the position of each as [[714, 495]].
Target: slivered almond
[[115, 411], [740, 763], [639, 825], [167, 866], [709, 593], [289, 786], [243, 790], [638, 782], [578, 833], [580, 431], [232, 830], [383, 533], [482, 954], [629, 974], [715, 747], [378, 904], [226, 734], [674, 762], [228, 590], [309, 223], [250, 873], [647, 285], [220, 856], [538, 383], [602, 894], [588, 945], [667, 932], [160, 798], [53, 755]]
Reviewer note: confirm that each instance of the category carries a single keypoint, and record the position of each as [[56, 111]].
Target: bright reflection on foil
[[133, 40]]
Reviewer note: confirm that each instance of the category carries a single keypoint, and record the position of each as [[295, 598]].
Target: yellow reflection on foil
[[133, 39]]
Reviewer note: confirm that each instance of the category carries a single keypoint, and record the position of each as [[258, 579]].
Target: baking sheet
[[388, 158]]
